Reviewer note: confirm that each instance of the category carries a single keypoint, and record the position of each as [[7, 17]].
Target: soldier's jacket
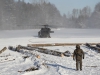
[[78, 54]]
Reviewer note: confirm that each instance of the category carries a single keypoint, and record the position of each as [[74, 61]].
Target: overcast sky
[[65, 6]]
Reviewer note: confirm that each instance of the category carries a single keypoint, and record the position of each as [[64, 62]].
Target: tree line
[[21, 15]]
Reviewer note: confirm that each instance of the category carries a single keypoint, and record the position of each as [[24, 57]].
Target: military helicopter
[[45, 32]]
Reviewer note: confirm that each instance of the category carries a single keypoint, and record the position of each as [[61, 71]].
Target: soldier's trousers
[[78, 64]]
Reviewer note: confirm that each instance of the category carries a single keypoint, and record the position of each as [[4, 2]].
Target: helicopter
[[45, 32]]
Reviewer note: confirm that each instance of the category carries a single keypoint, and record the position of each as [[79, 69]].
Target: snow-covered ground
[[11, 62]]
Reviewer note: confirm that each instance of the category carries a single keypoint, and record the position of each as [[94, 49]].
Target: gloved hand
[[83, 57]]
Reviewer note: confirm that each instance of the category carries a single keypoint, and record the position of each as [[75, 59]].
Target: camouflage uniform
[[78, 55]]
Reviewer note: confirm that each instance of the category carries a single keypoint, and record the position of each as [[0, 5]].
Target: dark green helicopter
[[45, 32]]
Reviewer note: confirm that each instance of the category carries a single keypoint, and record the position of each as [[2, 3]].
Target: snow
[[11, 61]]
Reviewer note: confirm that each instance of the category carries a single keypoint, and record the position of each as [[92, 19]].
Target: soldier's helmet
[[77, 46]]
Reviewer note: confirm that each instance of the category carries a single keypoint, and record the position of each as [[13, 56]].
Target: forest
[[21, 15]]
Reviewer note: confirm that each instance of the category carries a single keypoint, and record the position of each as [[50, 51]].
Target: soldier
[[78, 55]]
